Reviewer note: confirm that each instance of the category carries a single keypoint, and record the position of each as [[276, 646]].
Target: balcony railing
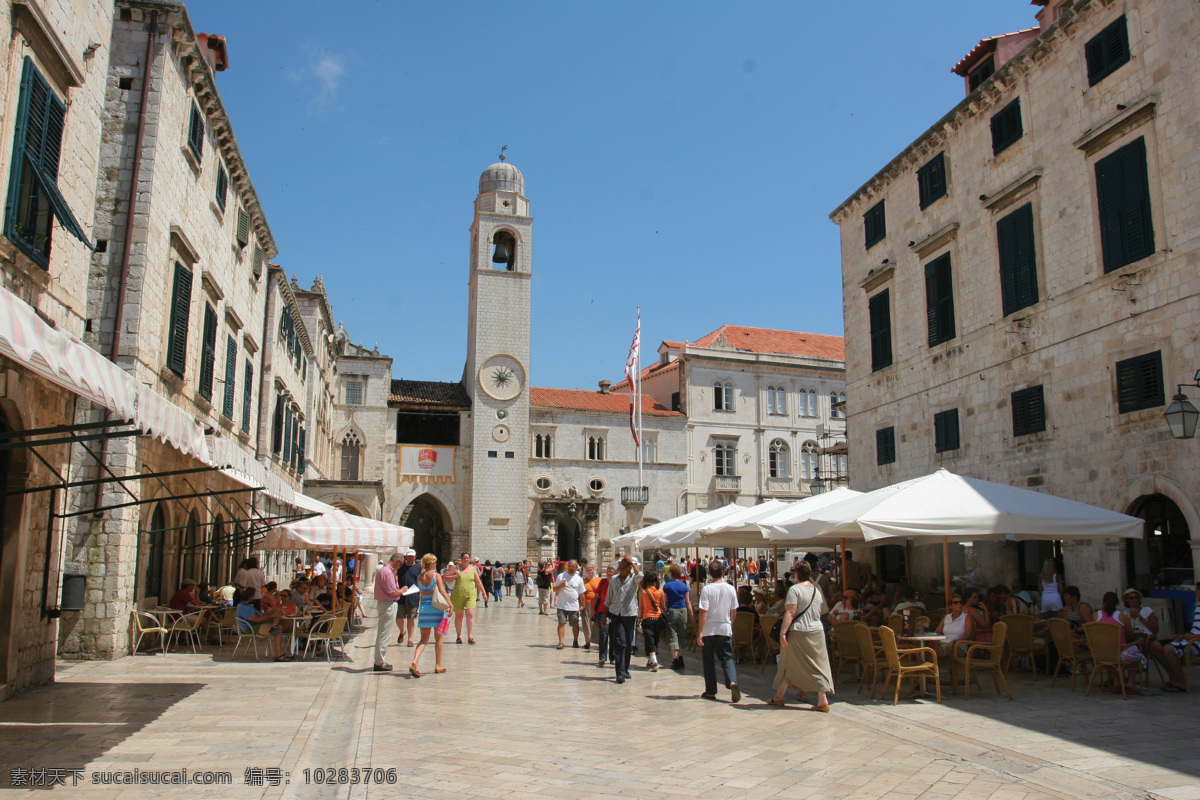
[[635, 494], [729, 483]]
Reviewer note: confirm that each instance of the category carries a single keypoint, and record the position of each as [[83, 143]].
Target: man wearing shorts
[[570, 588], [409, 605]]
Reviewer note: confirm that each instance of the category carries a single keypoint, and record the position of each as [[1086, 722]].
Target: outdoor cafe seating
[[981, 657]]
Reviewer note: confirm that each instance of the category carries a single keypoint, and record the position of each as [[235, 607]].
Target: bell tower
[[497, 370]]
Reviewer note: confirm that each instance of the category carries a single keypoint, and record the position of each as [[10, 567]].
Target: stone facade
[[1076, 323]]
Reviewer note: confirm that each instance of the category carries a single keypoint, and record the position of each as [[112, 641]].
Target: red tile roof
[[654, 369], [769, 340], [440, 393], [670, 343], [987, 45], [585, 400]]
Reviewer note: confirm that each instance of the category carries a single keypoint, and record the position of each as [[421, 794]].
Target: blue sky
[[679, 155]]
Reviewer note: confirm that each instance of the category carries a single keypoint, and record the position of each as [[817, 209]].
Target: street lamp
[[1181, 415], [817, 486]]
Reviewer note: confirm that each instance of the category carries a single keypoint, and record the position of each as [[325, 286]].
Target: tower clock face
[[502, 377]]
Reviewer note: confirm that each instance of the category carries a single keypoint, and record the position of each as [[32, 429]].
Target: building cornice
[[984, 98]]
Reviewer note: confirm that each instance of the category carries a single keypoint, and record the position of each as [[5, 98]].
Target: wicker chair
[[1070, 652], [767, 622], [1188, 655], [901, 671], [922, 623], [148, 623], [873, 663], [845, 647], [896, 623], [1021, 641], [981, 657], [1104, 642], [743, 637]]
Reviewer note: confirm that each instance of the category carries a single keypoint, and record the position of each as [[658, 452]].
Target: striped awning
[[337, 529]]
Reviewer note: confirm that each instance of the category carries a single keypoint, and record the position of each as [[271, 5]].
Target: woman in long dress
[[804, 661]]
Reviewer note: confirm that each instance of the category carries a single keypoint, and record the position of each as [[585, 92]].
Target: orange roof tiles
[[987, 45], [654, 369], [585, 400], [769, 340]]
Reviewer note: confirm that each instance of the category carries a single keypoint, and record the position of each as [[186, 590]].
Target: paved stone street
[[515, 718]]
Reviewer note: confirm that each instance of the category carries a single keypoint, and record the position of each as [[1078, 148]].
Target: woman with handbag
[[650, 607], [804, 661], [433, 615]]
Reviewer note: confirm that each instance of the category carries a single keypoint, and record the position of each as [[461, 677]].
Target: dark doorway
[[157, 552], [569, 538], [426, 516], [1163, 556], [890, 562]]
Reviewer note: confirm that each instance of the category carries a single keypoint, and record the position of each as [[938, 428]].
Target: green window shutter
[[885, 446], [196, 133], [1140, 383], [981, 73], [1018, 262], [208, 352], [931, 180], [939, 300], [258, 261], [875, 225], [230, 375], [287, 433], [222, 186], [247, 395], [243, 228], [177, 333], [277, 426], [1123, 193], [880, 314], [1106, 51], [1028, 411], [945, 430], [1007, 127], [300, 457], [295, 441]]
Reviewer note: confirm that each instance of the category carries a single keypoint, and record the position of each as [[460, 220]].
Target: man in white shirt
[[718, 609], [569, 587], [318, 568]]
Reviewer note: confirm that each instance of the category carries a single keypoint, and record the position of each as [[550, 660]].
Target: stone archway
[[1163, 556], [431, 526], [570, 538]]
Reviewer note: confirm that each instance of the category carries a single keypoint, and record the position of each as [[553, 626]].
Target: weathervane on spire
[[502, 149]]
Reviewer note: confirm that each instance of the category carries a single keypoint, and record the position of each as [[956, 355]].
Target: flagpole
[[641, 483]]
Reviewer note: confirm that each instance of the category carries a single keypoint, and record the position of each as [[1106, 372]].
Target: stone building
[[1021, 287]]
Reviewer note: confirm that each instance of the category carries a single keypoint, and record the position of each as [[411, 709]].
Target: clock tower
[[497, 370]]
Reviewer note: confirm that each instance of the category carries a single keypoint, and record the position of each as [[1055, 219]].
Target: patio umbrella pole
[[845, 578], [946, 568]]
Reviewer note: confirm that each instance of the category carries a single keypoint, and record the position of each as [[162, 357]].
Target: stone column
[[591, 533], [548, 542]]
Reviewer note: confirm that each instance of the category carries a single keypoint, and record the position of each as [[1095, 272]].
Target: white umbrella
[[733, 528], [776, 528], [673, 536], [634, 539]]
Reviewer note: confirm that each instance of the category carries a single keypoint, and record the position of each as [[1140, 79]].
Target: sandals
[[560, 646], [823, 709], [439, 670], [469, 641], [777, 703], [459, 641], [289, 658], [416, 673]]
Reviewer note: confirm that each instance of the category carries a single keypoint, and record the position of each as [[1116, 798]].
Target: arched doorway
[[570, 539], [191, 546], [1163, 556], [156, 552], [428, 519]]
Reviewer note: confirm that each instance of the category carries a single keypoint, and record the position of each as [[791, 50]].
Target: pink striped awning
[[337, 529]]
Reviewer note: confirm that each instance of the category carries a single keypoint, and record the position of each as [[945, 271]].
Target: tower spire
[[502, 149]]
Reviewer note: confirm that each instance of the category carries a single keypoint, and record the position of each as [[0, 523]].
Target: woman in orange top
[[650, 610], [591, 582]]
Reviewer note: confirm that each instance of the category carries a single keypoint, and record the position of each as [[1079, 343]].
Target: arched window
[[833, 411], [595, 451], [351, 454], [808, 460], [842, 400], [649, 450], [504, 254], [724, 460], [216, 546], [777, 459], [157, 552], [776, 400], [191, 543], [723, 396], [541, 446]]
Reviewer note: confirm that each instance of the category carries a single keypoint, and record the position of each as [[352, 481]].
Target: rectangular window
[[196, 133], [300, 452], [649, 449], [247, 395], [875, 225], [885, 446], [945, 430], [177, 333], [287, 433], [931, 180], [1028, 411], [881, 331], [980, 73], [675, 405], [1140, 383], [1006, 127], [1018, 263], [208, 352], [33, 196], [222, 186], [1123, 191], [230, 376], [243, 228], [1106, 51], [939, 300], [277, 427], [354, 393]]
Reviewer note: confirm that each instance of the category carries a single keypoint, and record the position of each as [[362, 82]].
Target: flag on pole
[[633, 374]]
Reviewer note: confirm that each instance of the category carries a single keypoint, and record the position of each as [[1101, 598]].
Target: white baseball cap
[[411, 552]]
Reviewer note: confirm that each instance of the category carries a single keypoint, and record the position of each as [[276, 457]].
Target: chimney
[[604, 385]]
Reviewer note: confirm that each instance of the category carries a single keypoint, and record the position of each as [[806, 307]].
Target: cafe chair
[[1070, 652], [845, 647], [1104, 642], [901, 671], [874, 659], [1021, 641], [148, 623], [767, 623], [1188, 655], [980, 657], [896, 623], [254, 637], [922, 624], [743, 636], [189, 626], [228, 622], [325, 631]]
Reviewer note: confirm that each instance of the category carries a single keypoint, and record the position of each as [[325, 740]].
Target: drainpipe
[[119, 315]]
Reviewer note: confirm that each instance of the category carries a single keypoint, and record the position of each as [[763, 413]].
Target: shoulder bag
[[777, 628], [439, 599]]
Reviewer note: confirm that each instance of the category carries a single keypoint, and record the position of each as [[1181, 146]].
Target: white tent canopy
[[953, 507], [634, 539], [335, 529], [728, 526]]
